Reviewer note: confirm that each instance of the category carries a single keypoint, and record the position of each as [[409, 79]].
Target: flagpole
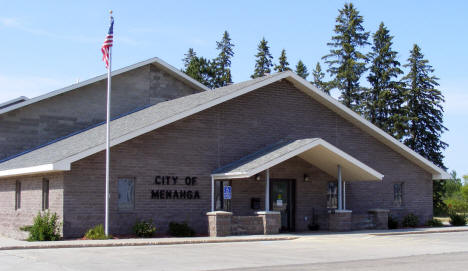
[[108, 116]]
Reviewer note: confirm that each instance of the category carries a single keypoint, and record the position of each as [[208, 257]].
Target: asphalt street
[[436, 251]]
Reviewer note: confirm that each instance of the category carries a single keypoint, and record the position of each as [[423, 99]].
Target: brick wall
[[198, 144], [63, 114], [31, 202]]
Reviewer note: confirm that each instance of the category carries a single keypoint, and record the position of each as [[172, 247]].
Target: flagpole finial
[[110, 12]]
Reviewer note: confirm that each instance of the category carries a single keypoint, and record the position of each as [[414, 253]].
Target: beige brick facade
[[201, 143]]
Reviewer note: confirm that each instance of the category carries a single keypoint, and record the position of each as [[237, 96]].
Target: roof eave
[[394, 144], [45, 168]]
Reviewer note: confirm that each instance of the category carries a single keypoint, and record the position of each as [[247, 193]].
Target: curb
[[149, 243], [418, 232]]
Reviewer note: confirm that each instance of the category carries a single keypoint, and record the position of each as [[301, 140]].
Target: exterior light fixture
[[257, 177], [306, 178]]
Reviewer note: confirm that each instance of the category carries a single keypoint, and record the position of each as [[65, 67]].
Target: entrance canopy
[[316, 151]]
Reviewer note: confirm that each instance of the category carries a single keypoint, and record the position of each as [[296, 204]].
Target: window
[[18, 195], [332, 195], [126, 189], [45, 194], [397, 194]]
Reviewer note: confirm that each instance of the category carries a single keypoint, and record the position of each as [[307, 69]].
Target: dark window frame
[[45, 194], [398, 190], [332, 196], [126, 209], [18, 195]]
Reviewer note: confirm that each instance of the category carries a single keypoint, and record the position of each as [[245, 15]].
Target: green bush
[[46, 227], [180, 229], [434, 222], [410, 220], [457, 219], [392, 222], [97, 233], [144, 228]]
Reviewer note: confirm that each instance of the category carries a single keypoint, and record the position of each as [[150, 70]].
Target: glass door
[[282, 200]]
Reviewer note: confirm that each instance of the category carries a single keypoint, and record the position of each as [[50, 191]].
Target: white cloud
[[30, 86]]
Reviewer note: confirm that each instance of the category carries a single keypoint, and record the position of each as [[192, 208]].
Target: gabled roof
[[155, 61], [60, 154], [316, 151]]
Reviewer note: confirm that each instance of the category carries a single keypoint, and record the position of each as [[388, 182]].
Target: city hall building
[[257, 157]]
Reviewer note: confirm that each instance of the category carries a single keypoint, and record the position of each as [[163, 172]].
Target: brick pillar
[[380, 218], [271, 221], [219, 223], [340, 220]]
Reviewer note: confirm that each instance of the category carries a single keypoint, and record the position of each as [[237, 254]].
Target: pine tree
[[201, 69], [301, 70], [222, 63], [384, 105], [346, 63], [263, 62], [424, 103], [188, 57], [283, 64], [318, 76]]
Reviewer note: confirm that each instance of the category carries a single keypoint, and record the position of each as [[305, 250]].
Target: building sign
[[227, 192], [187, 192]]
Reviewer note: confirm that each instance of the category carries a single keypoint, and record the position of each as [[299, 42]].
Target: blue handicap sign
[[227, 192]]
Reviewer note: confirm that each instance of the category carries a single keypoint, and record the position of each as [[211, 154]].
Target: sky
[[47, 45]]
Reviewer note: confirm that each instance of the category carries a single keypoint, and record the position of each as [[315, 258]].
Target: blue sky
[[47, 45]]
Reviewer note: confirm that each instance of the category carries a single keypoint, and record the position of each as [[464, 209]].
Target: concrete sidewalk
[[11, 244]]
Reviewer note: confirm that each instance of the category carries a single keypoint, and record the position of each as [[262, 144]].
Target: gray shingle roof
[[88, 139], [255, 160]]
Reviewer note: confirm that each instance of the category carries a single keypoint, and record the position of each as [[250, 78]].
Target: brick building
[[292, 157]]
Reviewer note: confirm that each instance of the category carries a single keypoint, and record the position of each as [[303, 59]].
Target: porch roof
[[316, 151]]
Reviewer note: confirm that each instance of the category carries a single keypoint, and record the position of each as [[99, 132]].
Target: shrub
[[46, 227], [144, 228], [410, 220], [392, 222], [180, 229], [457, 219], [434, 222], [97, 233]]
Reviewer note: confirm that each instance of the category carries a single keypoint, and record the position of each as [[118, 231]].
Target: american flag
[[105, 49]]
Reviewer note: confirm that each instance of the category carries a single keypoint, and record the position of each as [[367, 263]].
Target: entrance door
[[282, 200]]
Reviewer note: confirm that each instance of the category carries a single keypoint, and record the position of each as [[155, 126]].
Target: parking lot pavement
[[324, 251]]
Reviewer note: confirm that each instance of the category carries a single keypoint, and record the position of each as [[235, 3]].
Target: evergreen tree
[[346, 63], [301, 70], [263, 62], [384, 104], [318, 79], [188, 57], [222, 63], [424, 103], [201, 69], [283, 64]]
